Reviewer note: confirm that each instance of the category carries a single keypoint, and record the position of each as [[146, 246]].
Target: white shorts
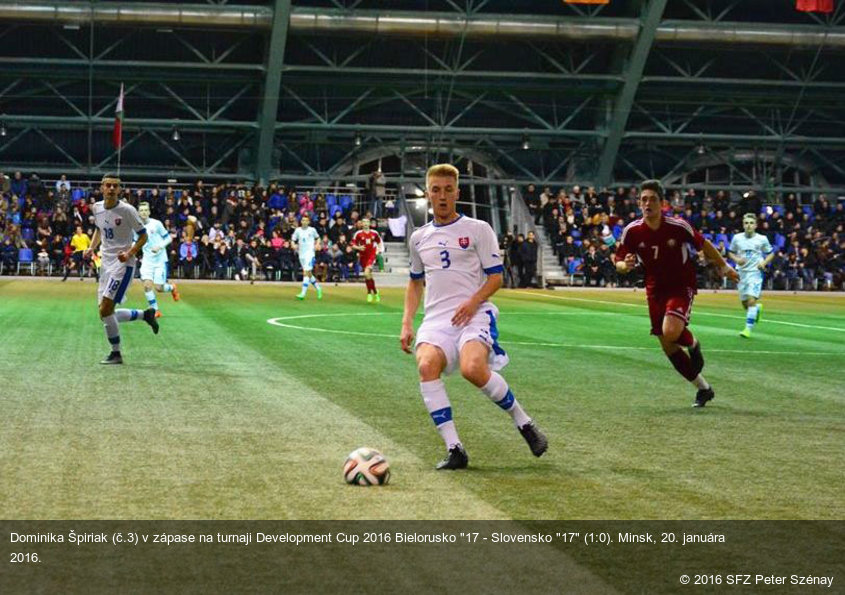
[[156, 272], [307, 262], [451, 339], [115, 278], [750, 285]]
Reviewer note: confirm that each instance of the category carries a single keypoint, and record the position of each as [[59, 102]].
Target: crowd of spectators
[[240, 226], [237, 226], [583, 226]]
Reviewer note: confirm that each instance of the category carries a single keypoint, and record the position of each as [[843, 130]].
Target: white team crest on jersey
[[671, 243], [463, 242], [642, 245]]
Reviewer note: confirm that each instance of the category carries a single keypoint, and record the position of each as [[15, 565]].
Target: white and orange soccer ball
[[366, 467]]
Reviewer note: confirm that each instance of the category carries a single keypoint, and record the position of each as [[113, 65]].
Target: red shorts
[[671, 304], [367, 260]]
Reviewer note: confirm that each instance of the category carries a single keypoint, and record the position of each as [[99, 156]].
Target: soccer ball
[[366, 467]]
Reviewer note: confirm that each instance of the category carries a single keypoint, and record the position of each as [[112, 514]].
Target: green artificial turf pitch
[[225, 416]]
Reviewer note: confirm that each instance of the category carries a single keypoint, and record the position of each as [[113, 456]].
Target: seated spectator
[[8, 255], [188, 253]]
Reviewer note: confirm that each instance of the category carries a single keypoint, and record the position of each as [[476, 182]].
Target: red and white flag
[[117, 133]]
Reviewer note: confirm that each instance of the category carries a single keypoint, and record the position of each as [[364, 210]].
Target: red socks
[[371, 285], [683, 364]]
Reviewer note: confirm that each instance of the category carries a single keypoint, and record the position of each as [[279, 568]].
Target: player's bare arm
[[167, 241], [465, 312], [737, 258], [136, 247], [413, 296], [95, 243], [765, 262], [715, 257]]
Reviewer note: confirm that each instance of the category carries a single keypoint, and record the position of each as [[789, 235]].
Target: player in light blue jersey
[[306, 241], [154, 263], [752, 253]]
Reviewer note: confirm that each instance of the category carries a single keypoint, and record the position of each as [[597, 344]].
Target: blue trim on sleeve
[[493, 270], [417, 276], [142, 230]]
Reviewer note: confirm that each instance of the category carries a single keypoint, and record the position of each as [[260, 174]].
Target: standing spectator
[[533, 203], [378, 185], [516, 258], [528, 251], [790, 204], [592, 267], [63, 185], [19, 186], [751, 203]]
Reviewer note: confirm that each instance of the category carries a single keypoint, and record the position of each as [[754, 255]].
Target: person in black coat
[[528, 251]]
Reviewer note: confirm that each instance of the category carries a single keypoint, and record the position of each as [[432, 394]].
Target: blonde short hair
[[446, 170], [751, 216]]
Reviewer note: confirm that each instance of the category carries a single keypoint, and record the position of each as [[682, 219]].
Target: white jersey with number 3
[[454, 259]]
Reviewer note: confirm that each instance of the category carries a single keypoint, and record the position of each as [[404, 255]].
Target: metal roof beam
[[272, 88], [652, 13], [327, 21]]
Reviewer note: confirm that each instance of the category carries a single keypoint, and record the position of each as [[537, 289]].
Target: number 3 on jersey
[[444, 258]]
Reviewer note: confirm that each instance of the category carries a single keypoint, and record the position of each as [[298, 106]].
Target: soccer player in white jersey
[[154, 262], [117, 223], [752, 253], [457, 259], [306, 241]]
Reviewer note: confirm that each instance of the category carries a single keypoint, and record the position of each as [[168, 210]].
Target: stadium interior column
[[650, 20], [272, 85]]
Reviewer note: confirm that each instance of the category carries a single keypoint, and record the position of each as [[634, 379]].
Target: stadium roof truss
[[552, 92]]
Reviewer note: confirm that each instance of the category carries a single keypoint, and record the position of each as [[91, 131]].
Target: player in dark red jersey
[[665, 247], [367, 243]]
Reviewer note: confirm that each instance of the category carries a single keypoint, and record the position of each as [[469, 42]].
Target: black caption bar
[[453, 556]]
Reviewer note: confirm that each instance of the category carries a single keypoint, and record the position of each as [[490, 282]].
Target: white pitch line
[[278, 322], [695, 312]]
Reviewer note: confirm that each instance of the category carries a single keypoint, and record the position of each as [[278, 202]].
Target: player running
[[306, 241], [662, 245], [752, 252], [154, 262], [116, 223], [457, 259], [367, 242]]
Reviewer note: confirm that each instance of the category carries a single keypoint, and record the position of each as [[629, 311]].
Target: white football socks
[[124, 315], [437, 402], [151, 299], [498, 392], [751, 316], [112, 331]]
